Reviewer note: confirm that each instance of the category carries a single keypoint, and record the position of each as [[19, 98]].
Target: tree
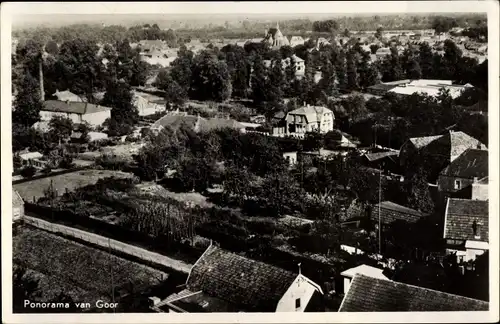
[[425, 58], [346, 33], [51, 47], [24, 287], [181, 68], [210, 78], [328, 78], [276, 81], [27, 103], [417, 191], [282, 193], [124, 114], [374, 48], [175, 95], [60, 128], [392, 67], [451, 58], [368, 73], [238, 69], [259, 81], [378, 33], [80, 69], [413, 71], [28, 171], [341, 69]]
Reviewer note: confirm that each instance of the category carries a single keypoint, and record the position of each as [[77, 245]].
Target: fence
[[113, 245]]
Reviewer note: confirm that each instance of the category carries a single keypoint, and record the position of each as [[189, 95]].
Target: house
[[17, 206], [390, 212], [464, 171], [466, 228], [368, 294], [309, 119], [32, 159], [364, 270], [145, 106], [221, 281], [447, 147], [196, 123], [385, 160], [68, 96], [78, 112], [430, 87], [296, 40], [275, 38]]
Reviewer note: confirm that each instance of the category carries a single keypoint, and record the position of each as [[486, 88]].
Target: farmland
[[83, 273], [70, 181]]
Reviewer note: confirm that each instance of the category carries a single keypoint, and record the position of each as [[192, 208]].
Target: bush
[[28, 172]]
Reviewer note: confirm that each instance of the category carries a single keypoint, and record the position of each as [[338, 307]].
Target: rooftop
[[389, 205], [471, 163], [244, 282], [367, 294], [31, 155], [380, 155], [73, 107], [365, 270], [462, 215], [313, 113], [17, 201]]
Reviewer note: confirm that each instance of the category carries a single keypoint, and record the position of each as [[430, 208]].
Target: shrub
[[28, 172]]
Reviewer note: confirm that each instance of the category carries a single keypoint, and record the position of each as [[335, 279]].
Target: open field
[[34, 189], [82, 272]]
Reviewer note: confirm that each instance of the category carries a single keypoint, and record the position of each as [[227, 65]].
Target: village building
[[33, 159], [368, 294], [221, 281], [387, 161], [306, 119], [17, 206], [463, 172], [296, 40], [449, 145], [78, 112], [147, 104], [275, 38], [391, 212], [298, 63], [381, 89], [429, 87], [68, 96], [466, 228]]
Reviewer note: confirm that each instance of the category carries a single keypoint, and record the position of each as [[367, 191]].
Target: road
[[110, 243]]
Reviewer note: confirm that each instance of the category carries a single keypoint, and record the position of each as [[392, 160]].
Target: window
[[297, 303], [458, 184]]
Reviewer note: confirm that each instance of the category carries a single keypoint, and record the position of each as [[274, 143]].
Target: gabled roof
[[72, 107], [380, 155], [365, 270], [367, 294], [244, 282], [460, 217], [312, 113], [484, 180], [31, 155], [471, 163], [460, 142]]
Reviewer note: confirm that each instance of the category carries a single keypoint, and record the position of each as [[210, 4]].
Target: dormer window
[[475, 227], [297, 303], [458, 184]]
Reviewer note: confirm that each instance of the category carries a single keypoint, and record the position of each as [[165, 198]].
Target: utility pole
[[379, 215]]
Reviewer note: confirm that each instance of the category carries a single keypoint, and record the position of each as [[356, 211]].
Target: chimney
[[40, 68], [478, 146], [300, 268], [476, 179]]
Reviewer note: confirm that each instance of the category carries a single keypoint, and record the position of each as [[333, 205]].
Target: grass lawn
[[70, 181], [80, 271]]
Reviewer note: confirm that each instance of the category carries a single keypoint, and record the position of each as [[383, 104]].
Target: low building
[[68, 96], [429, 87], [78, 112], [221, 281], [364, 270], [368, 294], [464, 171], [390, 212], [466, 228], [17, 206], [387, 161], [145, 106], [33, 159], [381, 89]]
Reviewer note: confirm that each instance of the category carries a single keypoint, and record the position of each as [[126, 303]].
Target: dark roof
[[380, 155], [472, 163], [244, 282], [73, 107], [460, 217], [368, 294]]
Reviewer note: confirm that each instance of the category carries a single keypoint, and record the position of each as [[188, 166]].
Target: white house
[[221, 281], [32, 159], [145, 106], [363, 269], [309, 119], [78, 112]]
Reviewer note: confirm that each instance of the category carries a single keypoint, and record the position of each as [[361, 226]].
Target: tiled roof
[[313, 113], [390, 212], [247, 283], [460, 142], [80, 108], [17, 201], [389, 205], [471, 163], [460, 217], [367, 294], [420, 142]]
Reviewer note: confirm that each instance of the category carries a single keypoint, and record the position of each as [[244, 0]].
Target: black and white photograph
[[311, 160]]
